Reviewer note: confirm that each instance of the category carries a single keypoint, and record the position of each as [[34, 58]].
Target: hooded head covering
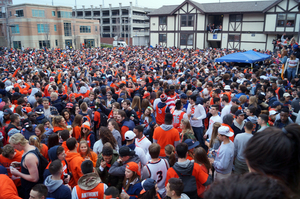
[[52, 153]]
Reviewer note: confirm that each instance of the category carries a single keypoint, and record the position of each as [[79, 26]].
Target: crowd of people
[[147, 122]]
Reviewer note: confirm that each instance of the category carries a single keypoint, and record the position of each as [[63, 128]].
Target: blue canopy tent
[[244, 57]]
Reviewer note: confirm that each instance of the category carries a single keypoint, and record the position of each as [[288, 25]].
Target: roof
[[224, 7], [164, 10], [231, 7]]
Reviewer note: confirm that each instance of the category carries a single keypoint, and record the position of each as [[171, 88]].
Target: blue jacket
[[129, 123], [40, 119], [134, 190]]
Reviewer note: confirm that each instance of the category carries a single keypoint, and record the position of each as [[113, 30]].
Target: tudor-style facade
[[245, 25]]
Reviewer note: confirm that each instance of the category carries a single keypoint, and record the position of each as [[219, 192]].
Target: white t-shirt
[[143, 143], [226, 110]]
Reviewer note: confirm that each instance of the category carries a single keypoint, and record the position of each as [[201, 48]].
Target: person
[[87, 135], [129, 137], [291, 67], [200, 157], [178, 115], [14, 122], [214, 142], [250, 185], [262, 121], [132, 182], [223, 161], [196, 114], [239, 122], [147, 118], [111, 193], [274, 152], [161, 109], [166, 134], [186, 130], [86, 153], [141, 140], [191, 146], [115, 130], [190, 172], [105, 160], [64, 135], [150, 189], [240, 143], [283, 121], [76, 126], [49, 111], [7, 157], [40, 133], [125, 123], [58, 152], [43, 149], [74, 161], [174, 189], [54, 183], [125, 155], [89, 185], [170, 154], [156, 168], [29, 163], [59, 123], [104, 137], [39, 191], [227, 106], [214, 110]]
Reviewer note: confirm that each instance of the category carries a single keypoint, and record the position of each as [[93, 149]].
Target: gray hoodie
[[31, 98], [52, 185], [166, 127]]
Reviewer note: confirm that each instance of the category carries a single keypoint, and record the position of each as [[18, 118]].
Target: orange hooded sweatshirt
[[74, 163]]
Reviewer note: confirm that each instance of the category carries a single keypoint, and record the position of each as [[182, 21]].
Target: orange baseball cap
[[132, 166]]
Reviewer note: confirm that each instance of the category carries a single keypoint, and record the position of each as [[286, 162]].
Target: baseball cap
[[286, 95], [148, 184], [224, 130], [129, 135], [69, 105], [146, 94], [273, 112], [276, 103], [132, 166], [7, 111], [236, 100], [239, 112], [191, 143], [163, 97], [27, 123], [227, 87], [39, 111], [194, 79], [126, 151], [295, 46], [183, 96]]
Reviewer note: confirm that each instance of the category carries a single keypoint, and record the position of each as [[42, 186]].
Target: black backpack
[[103, 119], [189, 181]]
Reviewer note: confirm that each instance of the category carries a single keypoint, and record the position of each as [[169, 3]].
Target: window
[[15, 29], [280, 20], [67, 29], [17, 44], [19, 13], [43, 28], [235, 18], [96, 28], [38, 13], [56, 42], [234, 38], [55, 28], [162, 37], [163, 20], [187, 39], [290, 20], [44, 43], [64, 14], [89, 43], [53, 13], [85, 29], [187, 20]]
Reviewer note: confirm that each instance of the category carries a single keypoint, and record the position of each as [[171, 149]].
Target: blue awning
[[244, 57]]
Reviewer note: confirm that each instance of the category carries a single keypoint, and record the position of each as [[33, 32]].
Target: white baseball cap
[[129, 135], [224, 130]]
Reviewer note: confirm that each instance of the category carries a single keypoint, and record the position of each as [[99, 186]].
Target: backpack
[[189, 181], [103, 119], [43, 163]]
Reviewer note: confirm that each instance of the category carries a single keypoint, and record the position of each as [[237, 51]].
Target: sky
[[141, 3]]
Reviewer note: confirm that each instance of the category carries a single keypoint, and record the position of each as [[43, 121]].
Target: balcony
[[141, 25], [140, 33], [214, 36]]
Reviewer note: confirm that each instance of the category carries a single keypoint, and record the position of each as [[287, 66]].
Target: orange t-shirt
[[164, 138], [6, 163]]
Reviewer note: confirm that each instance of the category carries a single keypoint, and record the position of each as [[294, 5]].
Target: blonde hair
[[188, 127], [35, 141], [214, 133], [18, 138], [57, 120], [243, 99], [253, 101], [54, 94], [136, 102]]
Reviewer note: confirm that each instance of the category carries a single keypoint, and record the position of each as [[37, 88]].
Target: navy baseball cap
[[183, 96], [276, 103]]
